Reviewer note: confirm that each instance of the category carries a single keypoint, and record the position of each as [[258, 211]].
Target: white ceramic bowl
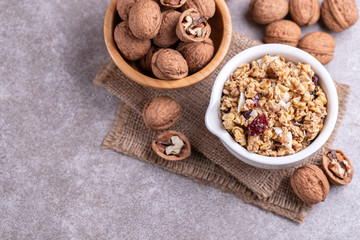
[[214, 124]]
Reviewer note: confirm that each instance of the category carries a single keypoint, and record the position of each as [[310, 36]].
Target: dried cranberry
[[314, 93], [258, 125], [256, 100], [246, 114], [315, 80]]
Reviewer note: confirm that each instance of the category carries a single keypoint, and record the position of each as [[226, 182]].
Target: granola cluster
[[273, 107]]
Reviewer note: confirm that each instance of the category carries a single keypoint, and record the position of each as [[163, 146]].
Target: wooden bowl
[[221, 35]]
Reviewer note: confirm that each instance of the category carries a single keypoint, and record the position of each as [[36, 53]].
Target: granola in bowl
[[273, 107]]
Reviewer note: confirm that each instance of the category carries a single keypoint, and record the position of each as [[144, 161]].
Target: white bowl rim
[[255, 53]]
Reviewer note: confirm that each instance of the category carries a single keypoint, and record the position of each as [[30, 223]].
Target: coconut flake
[[241, 101], [297, 124], [286, 97], [254, 113], [289, 135], [284, 105], [278, 131], [272, 59]]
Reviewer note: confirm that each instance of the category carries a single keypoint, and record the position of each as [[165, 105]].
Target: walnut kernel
[[337, 167], [172, 146], [192, 27]]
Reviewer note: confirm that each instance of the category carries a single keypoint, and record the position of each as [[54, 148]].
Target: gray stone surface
[[56, 182]]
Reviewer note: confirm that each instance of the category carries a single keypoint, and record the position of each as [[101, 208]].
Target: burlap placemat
[[210, 164]]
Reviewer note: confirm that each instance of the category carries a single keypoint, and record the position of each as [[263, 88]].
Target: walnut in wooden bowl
[[220, 35]]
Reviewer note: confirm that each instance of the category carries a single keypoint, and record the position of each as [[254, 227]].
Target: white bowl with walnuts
[[273, 106]]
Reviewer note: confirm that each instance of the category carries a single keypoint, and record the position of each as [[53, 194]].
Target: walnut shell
[[283, 32], [172, 4], [161, 113], [339, 15], [320, 45], [187, 30], [145, 19], [130, 47], [164, 138], [145, 62], [206, 8], [310, 184], [167, 33], [268, 11], [333, 178], [169, 64], [304, 12], [197, 54], [123, 8]]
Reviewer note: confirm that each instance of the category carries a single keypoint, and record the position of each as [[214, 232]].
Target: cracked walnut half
[[273, 107]]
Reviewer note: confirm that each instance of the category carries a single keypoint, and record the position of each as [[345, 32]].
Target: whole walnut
[[206, 8], [320, 45], [161, 113], [267, 11], [145, 62], [172, 4], [131, 48], [197, 54], [339, 15], [310, 184], [145, 19], [123, 8], [283, 32], [167, 33], [169, 64], [304, 12]]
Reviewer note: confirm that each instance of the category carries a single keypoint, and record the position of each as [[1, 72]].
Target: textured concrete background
[[56, 182]]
